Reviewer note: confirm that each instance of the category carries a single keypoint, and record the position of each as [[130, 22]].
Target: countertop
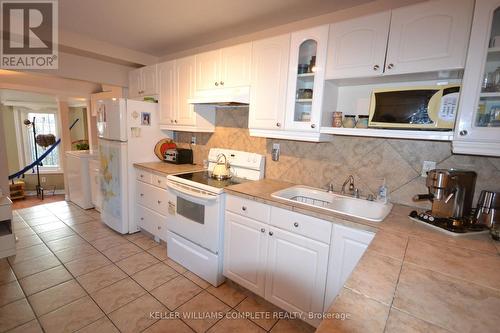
[[168, 168], [411, 278]]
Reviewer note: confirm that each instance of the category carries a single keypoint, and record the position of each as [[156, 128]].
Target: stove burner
[[458, 226], [205, 177]]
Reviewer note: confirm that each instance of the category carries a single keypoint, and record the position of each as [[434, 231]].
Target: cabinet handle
[[159, 181], [159, 228], [313, 125], [390, 66], [262, 230], [278, 124], [142, 218], [175, 121], [221, 83], [463, 133], [376, 67], [159, 202], [296, 224], [142, 176], [216, 84], [244, 208], [271, 233], [142, 194]]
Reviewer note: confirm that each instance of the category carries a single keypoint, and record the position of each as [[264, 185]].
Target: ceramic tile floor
[[72, 273]]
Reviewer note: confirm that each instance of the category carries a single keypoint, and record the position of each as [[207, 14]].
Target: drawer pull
[[271, 233], [262, 230], [296, 224], [159, 228], [159, 202], [159, 181], [142, 218], [142, 176], [142, 194], [244, 208]]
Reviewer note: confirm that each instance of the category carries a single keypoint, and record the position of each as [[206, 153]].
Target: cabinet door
[[269, 83], [348, 246], [296, 271], [477, 129], [166, 87], [356, 48], [149, 80], [207, 70], [235, 65], [135, 83], [430, 36], [305, 88], [245, 251], [185, 85]]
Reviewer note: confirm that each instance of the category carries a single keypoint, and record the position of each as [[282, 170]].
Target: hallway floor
[[31, 201], [72, 273]]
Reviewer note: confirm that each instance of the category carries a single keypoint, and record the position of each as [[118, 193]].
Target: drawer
[[249, 208], [159, 180], [144, 176], [152, 197], [151, 221], [304, 225]]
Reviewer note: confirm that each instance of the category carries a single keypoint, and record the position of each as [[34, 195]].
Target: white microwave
[[423, 107]]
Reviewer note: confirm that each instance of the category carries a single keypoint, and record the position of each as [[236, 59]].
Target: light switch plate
[[427, 166]]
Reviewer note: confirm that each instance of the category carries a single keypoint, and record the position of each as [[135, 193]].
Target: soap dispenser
[[383, 193]]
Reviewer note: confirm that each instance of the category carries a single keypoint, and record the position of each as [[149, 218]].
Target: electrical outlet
[[193, 139], [427, 166], [43, 179], [275, 154]]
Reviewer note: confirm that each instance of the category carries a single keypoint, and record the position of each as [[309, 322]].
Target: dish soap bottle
[[383, 193]]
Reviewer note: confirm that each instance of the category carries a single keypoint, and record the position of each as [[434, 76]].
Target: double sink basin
[[372, 211]]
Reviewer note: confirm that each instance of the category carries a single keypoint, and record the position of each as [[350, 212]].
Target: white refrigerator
[[128, 131]]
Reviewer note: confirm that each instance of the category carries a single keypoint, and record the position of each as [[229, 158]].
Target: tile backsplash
[[369, 160]]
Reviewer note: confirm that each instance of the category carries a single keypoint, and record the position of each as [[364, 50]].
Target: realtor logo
[[29, 34]]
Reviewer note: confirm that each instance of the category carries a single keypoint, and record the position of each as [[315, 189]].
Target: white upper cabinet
[[236, 62], [478, 124], [185, 84], [143, 82], [356, 48], [429, 36], [208, 70], [224, 68], [306, 76], [269, 83], [167, 88]]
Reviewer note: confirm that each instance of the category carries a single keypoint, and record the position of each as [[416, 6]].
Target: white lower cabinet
[[245, 252], [348, 246], [152, 203], [296, 272]]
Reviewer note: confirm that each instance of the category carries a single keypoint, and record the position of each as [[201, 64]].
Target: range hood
[[222, 97]]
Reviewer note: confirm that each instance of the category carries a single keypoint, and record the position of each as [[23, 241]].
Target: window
[[46, 122]]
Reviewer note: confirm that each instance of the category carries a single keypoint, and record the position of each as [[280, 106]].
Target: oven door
[[195, 215]]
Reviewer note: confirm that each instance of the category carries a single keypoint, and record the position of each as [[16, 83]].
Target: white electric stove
[[197, 202]]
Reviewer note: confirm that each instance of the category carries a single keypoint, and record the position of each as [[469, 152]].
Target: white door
[[347, 247], [477, 129], [166, 87], [269, 83], [149, 80], [245, 251], [429, 36], [185, 79], [112, 119], [303, 113], [296, 272], [114, 185], [235, 65], [207, 70], [135, 83], [356, 48]]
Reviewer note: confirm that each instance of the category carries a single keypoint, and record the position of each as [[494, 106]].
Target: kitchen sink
[[372, 211]]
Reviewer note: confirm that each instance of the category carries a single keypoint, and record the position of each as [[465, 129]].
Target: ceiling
[[160, 27], [13, 97]]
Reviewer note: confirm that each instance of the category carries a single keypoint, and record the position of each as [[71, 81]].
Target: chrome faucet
[[350, 181]]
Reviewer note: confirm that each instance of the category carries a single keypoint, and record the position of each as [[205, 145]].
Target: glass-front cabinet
[[478, 125], [308, 49]]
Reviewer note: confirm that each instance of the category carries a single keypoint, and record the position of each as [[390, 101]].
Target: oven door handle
[[184, 192]]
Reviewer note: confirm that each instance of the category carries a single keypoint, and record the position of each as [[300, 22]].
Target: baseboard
[[47, 193]]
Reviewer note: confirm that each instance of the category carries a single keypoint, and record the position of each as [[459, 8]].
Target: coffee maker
[[451, 193]]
